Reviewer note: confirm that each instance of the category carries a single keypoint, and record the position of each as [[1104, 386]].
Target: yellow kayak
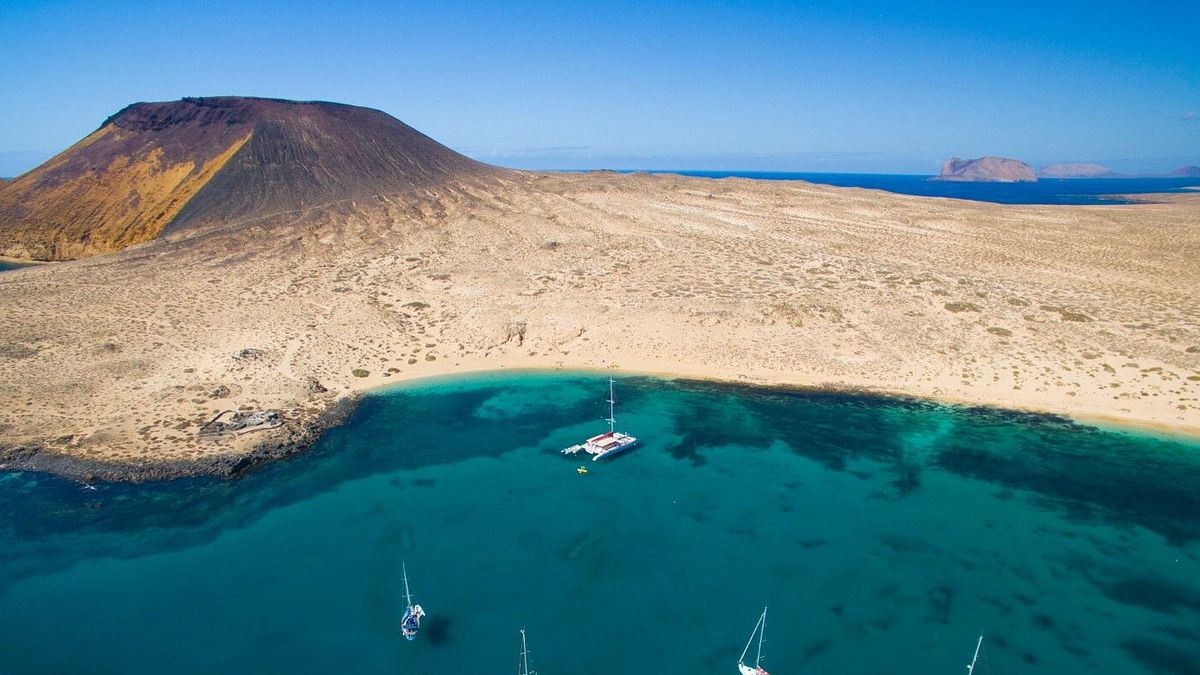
[[581, 470]]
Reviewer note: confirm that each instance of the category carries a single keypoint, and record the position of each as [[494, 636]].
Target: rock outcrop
[[987, 169]]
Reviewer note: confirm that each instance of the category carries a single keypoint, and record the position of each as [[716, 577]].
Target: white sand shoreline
[[1102, 420]]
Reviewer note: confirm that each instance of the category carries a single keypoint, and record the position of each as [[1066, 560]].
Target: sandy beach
[[109, 366]]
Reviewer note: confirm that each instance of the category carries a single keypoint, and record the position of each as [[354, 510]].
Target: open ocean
[[884, 534], [1044, 191]]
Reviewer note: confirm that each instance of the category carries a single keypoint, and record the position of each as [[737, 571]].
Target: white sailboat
[[523, 661], [975, 659], [411, 623], [759, 629], [607, 444]]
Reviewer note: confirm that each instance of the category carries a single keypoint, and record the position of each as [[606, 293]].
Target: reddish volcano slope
[[167, 167]]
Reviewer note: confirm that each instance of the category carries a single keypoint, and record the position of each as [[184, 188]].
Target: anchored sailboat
[[411, 623], [975, 659], [759, 629], [523, 660], [608, 444]]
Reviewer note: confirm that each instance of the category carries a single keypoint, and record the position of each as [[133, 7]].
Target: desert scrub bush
[[961, 307], [1066, 314]]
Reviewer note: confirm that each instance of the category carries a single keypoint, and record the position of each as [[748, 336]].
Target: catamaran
[[411, 623], [523, 660], [975, 660], [759, 629], [607, 444]]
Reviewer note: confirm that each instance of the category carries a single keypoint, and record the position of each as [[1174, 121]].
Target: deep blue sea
[[1044, 191], [883, 534]]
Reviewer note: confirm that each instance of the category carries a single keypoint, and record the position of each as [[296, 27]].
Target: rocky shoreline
[[288, 440]]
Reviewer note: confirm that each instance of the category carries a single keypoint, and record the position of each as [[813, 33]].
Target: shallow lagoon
[[884, 535], [7, 265]]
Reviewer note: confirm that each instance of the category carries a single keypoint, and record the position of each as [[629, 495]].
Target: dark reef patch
[[1153, 594], [1163, 658]]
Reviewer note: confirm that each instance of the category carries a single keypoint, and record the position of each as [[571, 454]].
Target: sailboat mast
[[742, 658], [978, 646], [762, 631], [407, 595], [524, 655], [612, 407]]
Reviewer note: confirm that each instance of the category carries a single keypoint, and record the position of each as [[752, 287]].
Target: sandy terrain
[[109, 366]]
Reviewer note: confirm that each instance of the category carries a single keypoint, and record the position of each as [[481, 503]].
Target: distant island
[[1084, 170], [992, 169], [987, 169], [1081, 170]]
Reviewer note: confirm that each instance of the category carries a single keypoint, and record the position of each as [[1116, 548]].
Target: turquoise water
[[1043, 191], [883, 534], [5, 266]]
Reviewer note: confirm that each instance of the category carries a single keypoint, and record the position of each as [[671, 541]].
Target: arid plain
[[110, 365]]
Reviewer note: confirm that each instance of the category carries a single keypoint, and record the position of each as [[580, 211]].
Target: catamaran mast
[[978, 646], [407, 595], [612, 403]]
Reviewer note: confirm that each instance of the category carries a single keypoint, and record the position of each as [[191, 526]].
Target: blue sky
[[889, 87]]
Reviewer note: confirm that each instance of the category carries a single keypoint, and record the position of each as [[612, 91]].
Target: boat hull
[[605, 445], [609, 454], [411, 623]]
